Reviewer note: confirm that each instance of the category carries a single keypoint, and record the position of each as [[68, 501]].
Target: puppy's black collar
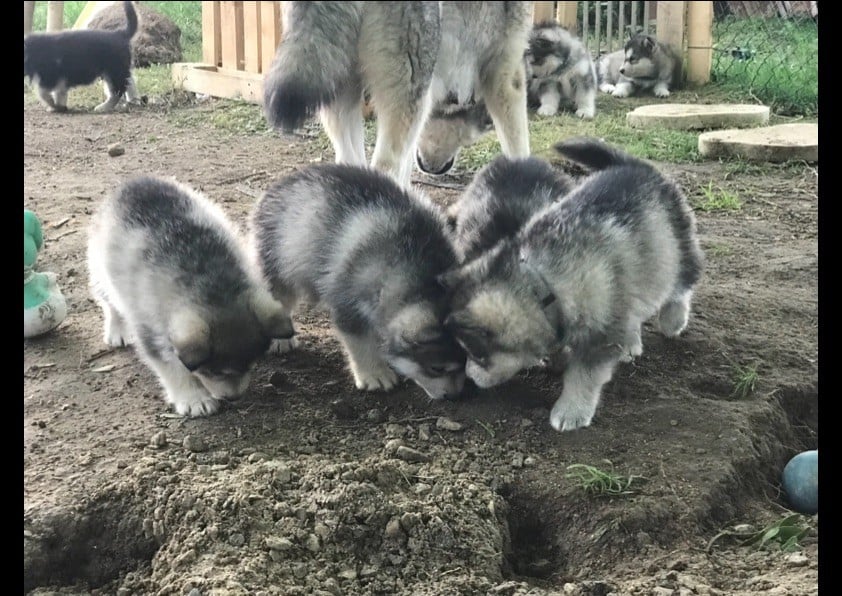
[[547, 298]]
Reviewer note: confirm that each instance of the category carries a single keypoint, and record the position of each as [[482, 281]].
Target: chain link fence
[[768, 50]]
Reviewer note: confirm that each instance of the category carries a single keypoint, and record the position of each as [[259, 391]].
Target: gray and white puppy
[[500, 199], [583, 274], [559, 68], [58, 61], [644, 63], [449, 128], [173, 278], [348, 238], [409, 57]]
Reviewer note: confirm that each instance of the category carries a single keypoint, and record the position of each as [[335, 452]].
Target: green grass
[[718, 199], [745, 380], [776, 62], [603, 483], [784, 533], [719, 250]]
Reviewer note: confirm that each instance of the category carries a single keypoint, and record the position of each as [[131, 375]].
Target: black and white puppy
[[56, 62]]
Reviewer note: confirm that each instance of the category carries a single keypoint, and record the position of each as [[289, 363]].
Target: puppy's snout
[[623, 70]]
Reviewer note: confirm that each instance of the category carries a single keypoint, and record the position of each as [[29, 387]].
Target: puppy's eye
[[437, 371]]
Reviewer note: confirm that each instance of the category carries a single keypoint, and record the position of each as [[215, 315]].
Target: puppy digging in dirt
[[350, 240], [173, 279], [583, 274], [56, 62]]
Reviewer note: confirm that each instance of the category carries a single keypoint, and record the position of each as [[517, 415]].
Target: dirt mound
[[158, 40]]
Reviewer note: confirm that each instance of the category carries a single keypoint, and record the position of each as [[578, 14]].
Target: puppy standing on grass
[[173, 278], [349, 238], [584, 273], [644, 63], [56, 62], [559, 67]]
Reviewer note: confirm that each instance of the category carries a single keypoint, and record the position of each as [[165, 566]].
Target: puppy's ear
[[189, 334], [271, 314], [649, 43]]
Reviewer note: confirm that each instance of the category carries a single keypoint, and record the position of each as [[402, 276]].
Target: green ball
[[800, 481]]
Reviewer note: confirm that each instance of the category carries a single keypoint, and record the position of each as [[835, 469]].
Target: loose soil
[[300, 487]]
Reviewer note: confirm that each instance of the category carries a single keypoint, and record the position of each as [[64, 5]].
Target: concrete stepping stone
[[783, 142], [691, 116]]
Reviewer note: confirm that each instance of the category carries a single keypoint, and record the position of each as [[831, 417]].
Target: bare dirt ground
[[298, 487]]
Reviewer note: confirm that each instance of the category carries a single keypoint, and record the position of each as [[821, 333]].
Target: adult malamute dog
[[583, 274], [348, 238], [644, 63], [409, 56], [55, 62], [173, 278], [500, 199], [559, 67]]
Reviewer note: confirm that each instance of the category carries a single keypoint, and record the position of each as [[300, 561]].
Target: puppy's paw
[[586, 113], [546, 110], [661, 91], [195, 403], [621, 92], [282, 346], [115, 338], [606, 88], [380, 378], [570, 416], [104, 108]]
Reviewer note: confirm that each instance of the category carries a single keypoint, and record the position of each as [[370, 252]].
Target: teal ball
[[800, 481]]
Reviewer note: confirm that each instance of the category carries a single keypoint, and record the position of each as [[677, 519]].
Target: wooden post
[[542, 11], [251, 35], [211, 34], [566, 15], [699, 42], [671, 27], [55, 16], [270, 33], [28, 11], [231, 19]]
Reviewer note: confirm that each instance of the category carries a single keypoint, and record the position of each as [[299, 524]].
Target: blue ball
[[800, 481]]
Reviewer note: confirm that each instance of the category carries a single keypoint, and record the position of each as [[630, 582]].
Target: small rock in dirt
[[392, 446], [393, 530], [659, 591], [194, 592], [701, 451], [368, 570], [312, 543], [115, 150], [280, 471], [571, 589], [424, 432], [644, 539], [517, 460], [529, 461], [299, 570], [525, 422], [42, 424], [673, 422], [343, 409], [278, 544], [184, 559], [412, 455], [505, 588], [349, 574], [194, 443], [236, 539], [744, 529], [257, 456], [159, 440], [678, 565], [796, 560], [448, 424], [409, 520], [375, 415], [421, 488]]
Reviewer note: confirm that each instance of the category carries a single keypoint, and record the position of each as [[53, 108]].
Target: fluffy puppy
[[584, 274], [559, 68], [350, 239], [173, 278], [56, 62], [644, 63]]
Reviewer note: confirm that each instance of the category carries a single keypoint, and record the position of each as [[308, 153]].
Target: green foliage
[[603, 483], [718, 199]]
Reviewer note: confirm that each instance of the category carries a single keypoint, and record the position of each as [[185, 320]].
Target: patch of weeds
[[745, 380], [603, 483], [718, 199], [719, 250], [487, 428], [786, 533], [232, 116]]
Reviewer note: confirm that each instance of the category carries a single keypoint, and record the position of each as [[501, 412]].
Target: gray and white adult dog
[[582, 274], [559, 68], [409, 56], [58, 61], [501, 198], [644, 63], [351, 240], [174, 278]]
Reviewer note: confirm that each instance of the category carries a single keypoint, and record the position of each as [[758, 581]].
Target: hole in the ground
[[801, 405], [531, 552], [94, 545]]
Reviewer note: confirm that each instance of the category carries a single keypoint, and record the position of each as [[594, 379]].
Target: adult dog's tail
[[131, 20], [596, 154], [316, 57]]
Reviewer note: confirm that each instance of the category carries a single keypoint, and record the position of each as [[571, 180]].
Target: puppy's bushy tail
[[596, 154], [131, 19], [316, 58]]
